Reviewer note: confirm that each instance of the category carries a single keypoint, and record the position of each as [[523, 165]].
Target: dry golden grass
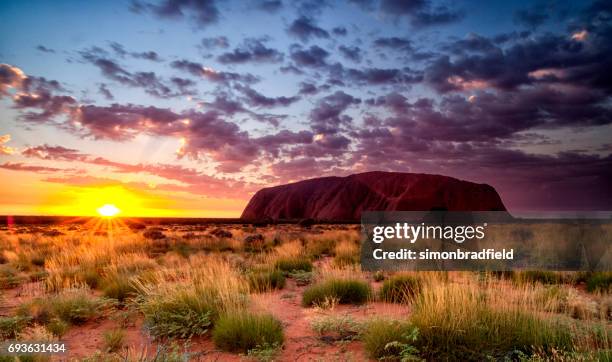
[[183, 282]]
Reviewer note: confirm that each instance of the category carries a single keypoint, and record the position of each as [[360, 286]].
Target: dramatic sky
[[187, 107]]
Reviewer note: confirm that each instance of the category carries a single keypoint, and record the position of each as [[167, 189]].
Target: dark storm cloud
[[149, 81], [184, 85], [351, 52], [202, 12], [313, 57], [307, 88], [105, 92], [44, 49], [327, 116], [252, 50], [304, 28], [122, 52], [215, 42], [198, 70], [420, 13], [269, 6], [378, 76], [580, 58], [396, 43], [532, 17], [339, 31], [256, 99]]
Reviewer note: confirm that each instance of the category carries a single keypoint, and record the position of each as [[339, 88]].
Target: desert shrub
[[389, 339], [37, 260], [243, 331], [458, 322], [10, 277], [10, 327], [540, 276], [114, 340], [118, 286], [76, 307], [264, 353], [301, 277], [336, 328], [266, 280], [319, 247], [344, 291], [599, 282], [153, 234], [378, 276], [293, 263], [254, 243], [180, 312], [190, 305], [346, 253], [71, 307], [400, 289], [57, 327]]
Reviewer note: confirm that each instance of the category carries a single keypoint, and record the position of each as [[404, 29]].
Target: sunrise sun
[[108, 210]]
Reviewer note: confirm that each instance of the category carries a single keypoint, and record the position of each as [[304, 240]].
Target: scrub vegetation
[[180, 292]]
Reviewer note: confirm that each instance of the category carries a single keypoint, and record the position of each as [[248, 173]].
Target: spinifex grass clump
[[191, 304], [241, 331], [401, 288], [346, 253], [10, 327], [343, 291], [599, 282], [389, 339], [293, 263], [539, 276], [70, 307], [266, 280], [463, 322]]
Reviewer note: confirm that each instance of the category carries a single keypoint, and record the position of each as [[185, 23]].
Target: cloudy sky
[[187, 107]]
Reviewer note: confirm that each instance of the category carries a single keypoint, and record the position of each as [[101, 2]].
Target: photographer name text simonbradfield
[[412, 233]]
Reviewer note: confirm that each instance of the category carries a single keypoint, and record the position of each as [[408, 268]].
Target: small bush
[[264, 281], [599, 282], [400, 289], [301, 277], [179, 313], [9, 277], [10, 327], [336, 328], [345, 291], [118, 286], [317, 248], [388, 340], [379, 276], [541, 276], [244, 331], [71, 307], [114, 340], [76, 307], [57, 327], [290, 264]]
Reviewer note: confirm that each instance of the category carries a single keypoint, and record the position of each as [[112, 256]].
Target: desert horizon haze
[[187, 108]]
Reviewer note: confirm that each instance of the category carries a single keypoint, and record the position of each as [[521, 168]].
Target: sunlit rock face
[[344, 198]]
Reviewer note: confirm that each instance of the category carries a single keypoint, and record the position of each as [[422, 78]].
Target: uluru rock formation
[[344, 198]]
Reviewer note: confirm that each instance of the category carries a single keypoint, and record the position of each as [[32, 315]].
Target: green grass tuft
[[387, 339], [290, 264], [344, 291], [400, 289], [244, 331], [264, 281]]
